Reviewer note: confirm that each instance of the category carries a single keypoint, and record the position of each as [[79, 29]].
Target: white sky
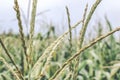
[[57, 13]]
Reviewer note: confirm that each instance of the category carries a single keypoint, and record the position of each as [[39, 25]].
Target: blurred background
[[53, 13]]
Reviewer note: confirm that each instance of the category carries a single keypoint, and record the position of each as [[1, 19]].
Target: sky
[[53, 12]]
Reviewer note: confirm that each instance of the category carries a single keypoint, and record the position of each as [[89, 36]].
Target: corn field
[[64, 57]]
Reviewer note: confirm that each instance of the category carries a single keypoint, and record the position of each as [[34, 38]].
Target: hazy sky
[[56, 14]]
